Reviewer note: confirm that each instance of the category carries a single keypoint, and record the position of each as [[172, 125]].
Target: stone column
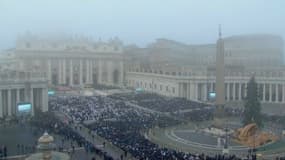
[[32, 100], [228, 91], [110, 72], [122, 72], [59, 72], [283, 93], [193, 91], [276, 93], [18, 96], [188, 91], [70, 73], [240, 95], [177, 90], [9, 103], [270, 93], [49, 74], [234, 91], [196, 91], [91, 72], [80, 73], [1, 105], [181, 90], [211, 87], [63, 72], [245, 90], [205, 92], [44, 100], [100, 71], [87, 71], [264, 92]]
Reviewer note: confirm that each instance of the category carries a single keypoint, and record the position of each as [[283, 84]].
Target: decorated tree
[[252, 112]]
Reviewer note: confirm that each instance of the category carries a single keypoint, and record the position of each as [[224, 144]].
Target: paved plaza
[[187, 138]]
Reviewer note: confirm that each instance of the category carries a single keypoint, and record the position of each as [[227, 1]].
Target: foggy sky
[[141, 21]]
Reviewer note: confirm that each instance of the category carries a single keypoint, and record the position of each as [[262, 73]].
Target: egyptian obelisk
[[220, 74]]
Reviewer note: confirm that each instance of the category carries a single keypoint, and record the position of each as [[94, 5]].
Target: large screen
[[212, 95], [51, 92], [24, 107], [139, 89]]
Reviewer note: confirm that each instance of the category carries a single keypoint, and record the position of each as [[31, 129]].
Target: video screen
[[212, 95], [24, 107], [51, 93]]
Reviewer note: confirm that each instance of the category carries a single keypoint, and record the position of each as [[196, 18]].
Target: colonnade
[[10, 97], [81, 71], [234, 91]]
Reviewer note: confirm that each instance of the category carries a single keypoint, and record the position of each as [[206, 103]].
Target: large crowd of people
[[177, 107], [160, 103], [124, 125], [99, 108]]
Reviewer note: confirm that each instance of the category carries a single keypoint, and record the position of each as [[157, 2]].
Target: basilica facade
[[72, 62]]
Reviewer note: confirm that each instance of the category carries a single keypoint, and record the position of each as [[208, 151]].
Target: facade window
[[160, 87], [166, 88], [173, 90]]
